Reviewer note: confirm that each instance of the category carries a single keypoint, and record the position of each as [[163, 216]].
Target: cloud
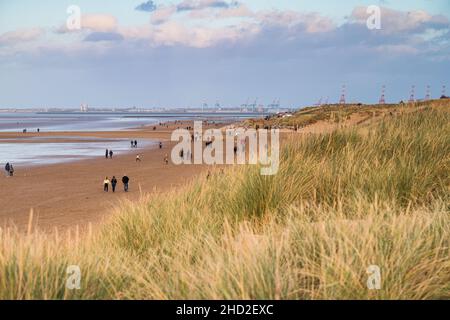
[[192, 5], [162, 14], [103, 36], [99, 22], [20, 36], [297, 56], [94, 23], [309, 22], [394, 21], [148, 6], [176, 33], [271, 31], [237, 11]]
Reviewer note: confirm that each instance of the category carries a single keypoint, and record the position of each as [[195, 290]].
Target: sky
[[188, 52]]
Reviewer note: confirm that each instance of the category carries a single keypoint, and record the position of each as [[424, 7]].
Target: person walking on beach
[[166, 159], [106, 184], [125, 181], [132, 143], [106, 154], [11, 170], [138, 158], [135, 143], [110, 154], [160, 145], [113, 184], [7, 168]]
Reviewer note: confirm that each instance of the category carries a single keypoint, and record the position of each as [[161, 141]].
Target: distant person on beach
[[135, 143], [160, 145], [106, 184], [110, 153], [166, 159], [11, 170], [7, 166], [125, 181], [113, 183], [38, 130], [132, 143], [138, 158], [106, 154]]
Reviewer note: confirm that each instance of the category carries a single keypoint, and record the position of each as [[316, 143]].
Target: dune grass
[[340, 203]]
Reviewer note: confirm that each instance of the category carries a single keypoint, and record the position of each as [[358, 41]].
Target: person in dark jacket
[[113, 183], [11, 170], [106, 154], [7, 169], [125, 181], [110, 153]]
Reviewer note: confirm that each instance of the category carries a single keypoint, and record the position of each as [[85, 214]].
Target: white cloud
[[310, 22], [162, 14], [99, 22], [20, 36], [95, 23], [237, 11], [177, 33], [393, 21]]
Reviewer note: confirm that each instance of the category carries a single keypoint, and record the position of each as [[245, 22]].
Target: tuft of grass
[[340, 203]]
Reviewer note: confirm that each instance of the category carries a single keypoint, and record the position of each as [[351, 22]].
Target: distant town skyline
[[189, 52]]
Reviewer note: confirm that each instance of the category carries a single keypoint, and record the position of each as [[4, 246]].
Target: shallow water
[[66, 122], [16, 122], [38, 151]]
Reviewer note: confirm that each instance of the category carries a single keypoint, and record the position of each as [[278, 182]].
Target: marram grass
[[339, 203]]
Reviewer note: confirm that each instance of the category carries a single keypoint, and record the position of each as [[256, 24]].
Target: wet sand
[[69, 194]]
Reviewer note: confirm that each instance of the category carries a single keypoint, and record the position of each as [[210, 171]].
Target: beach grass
[[340, 203]]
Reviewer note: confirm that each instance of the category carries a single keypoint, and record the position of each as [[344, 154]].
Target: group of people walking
[[134, 143], [113, 183], [109, 153], [9, 169]]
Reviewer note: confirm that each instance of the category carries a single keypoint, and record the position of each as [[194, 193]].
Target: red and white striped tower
[[412, 97], [428, 95], [383, 98], [342, 99]]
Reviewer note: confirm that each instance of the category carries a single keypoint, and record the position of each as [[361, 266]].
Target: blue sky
[[186, 52]]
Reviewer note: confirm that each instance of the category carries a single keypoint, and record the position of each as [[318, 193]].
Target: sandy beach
[[68, 194]]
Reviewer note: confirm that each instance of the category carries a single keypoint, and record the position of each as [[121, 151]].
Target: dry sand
[[69, 194]]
